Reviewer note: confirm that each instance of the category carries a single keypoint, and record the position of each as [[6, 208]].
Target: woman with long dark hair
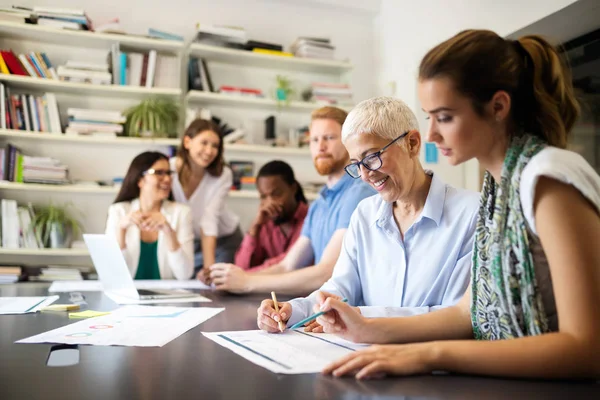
[[279, 220], [154, 233], [202, 181]]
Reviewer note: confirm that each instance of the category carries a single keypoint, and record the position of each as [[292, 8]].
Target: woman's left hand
[[155, 221], [379, 361]]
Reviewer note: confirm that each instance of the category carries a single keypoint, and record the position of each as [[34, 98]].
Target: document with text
[[291, 352]]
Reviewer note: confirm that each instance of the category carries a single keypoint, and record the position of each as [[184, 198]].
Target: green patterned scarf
[[505, 302]]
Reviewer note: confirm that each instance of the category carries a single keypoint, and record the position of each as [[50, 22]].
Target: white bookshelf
[[52, 137], [38, 187], [133, 141], [45, 252], [105, 157], [228, 100], [251, 59], [112, 190], [65, 37], [86, 89]]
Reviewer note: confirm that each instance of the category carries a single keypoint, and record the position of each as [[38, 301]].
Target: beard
[[328, 165]]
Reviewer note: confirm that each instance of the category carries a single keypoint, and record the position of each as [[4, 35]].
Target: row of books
[[94, 122], [29, 112], [331, 93], [17, 167], [17, 229], [198, 75], [34, 64], [142, 69]]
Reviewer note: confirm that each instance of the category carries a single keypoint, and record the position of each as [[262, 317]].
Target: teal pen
[[314, 316]]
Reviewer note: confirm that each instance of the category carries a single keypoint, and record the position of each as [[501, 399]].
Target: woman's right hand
[[268, 319], [342, 320], [133, 218]]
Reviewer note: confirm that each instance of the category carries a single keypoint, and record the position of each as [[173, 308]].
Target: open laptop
[[114, 274]]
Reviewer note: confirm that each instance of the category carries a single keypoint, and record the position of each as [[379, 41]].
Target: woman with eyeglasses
[[406, 251], [532, 307], [202, 181], [155, 233]]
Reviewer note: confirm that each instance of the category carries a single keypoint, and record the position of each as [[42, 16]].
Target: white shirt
[[209, 213], [564, 166], [386, 275], [177, 264], [567, 167]]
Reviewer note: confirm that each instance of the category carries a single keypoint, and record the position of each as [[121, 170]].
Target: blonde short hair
[[386, 117]]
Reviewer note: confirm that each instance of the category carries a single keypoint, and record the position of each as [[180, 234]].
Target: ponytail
[[480, 63], [554, 108]]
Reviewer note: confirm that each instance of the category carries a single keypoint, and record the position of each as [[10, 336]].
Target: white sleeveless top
[[209, 211], [564, 166]]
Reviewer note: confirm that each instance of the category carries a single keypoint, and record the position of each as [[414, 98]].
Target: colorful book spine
[[3, 67]]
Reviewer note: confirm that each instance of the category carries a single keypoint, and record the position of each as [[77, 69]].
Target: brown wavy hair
[[196, 127], [480, 63]]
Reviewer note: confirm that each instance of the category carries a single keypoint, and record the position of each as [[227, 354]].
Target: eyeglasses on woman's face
[[372, 162], [161, 173]]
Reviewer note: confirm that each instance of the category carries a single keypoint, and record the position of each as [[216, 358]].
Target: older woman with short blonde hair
[[408, 250]]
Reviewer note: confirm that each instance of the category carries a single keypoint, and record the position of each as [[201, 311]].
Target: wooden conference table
[[193, 367]]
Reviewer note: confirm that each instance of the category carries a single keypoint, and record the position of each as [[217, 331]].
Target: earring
[[498, 118]]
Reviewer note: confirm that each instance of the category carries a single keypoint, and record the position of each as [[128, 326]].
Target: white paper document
[[96, 286], [291, 352], [143, 326], [24, 305], [128, 300]]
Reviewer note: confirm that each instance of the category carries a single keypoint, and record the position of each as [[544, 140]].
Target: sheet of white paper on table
[[24, 305], [127, 300], [291, 352], [96, 286], [144, 326]]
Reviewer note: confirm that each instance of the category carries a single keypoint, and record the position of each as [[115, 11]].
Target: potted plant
[[153, 117], [55, 226], [284, 90]]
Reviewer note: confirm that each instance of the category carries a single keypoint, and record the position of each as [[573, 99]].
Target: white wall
[[405, 30]]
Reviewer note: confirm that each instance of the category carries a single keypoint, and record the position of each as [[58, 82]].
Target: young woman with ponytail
[[532, 307]]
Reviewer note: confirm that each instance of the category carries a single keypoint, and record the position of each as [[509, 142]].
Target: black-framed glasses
[[372, 162], [159, 172]]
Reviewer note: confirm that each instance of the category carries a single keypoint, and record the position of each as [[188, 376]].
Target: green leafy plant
[[284, 90], [153, 117], [58, 217]]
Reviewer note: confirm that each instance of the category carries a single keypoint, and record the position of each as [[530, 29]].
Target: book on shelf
[[34, 64], [104, 123], [11, 273], [63, 18], [240, 169], [255, 44], [273, 52], [21, 168], [199, 76], [308, 47], [221, 36], [57, 273], [29, 112], [148, 69]]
